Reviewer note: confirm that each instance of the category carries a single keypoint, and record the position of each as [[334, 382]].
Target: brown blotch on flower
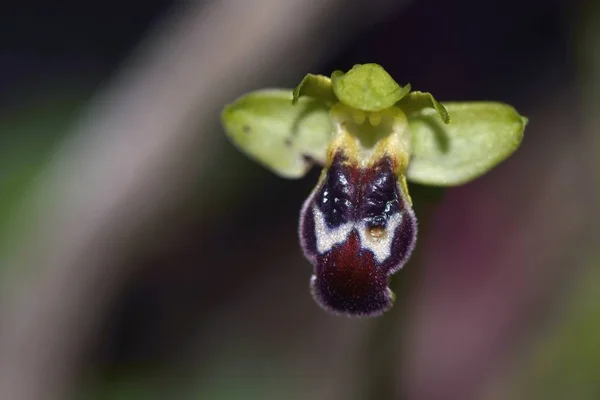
[[377, 232]]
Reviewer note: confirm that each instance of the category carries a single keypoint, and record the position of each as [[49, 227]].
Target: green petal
[[285, 138], [415, 101], [316, 86], [367, 87], [479, 136]]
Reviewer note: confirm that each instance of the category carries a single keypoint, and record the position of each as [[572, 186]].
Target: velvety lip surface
[[357, 229]]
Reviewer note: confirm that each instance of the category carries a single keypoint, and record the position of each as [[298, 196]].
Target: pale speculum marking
[[377, 239], [329, 237], [365, 200]]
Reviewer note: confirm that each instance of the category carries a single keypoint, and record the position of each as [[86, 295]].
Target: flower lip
[[356, 228]]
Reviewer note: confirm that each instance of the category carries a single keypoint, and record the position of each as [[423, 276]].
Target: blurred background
[[143, 257]]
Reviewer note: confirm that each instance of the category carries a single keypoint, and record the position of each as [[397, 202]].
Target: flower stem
[[383, 369]]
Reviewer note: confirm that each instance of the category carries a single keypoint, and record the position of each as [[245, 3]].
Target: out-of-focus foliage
[[30, 131], [565, 363]]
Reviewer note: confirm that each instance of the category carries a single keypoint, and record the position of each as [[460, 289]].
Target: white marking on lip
[[380, 246], [326, 237]]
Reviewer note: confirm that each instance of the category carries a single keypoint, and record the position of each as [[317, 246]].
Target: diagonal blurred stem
[[384, 370], [588, 33], [386, 340], [132, 155]]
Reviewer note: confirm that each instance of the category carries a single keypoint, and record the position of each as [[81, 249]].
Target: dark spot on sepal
[[308, 159]]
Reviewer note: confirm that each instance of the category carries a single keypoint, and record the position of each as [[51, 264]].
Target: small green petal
[[416, 101], [287, 139], [315, 86], [367, 87], [479, 136]]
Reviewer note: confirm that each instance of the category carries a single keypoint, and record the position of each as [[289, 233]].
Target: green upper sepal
[[367, 87], [315, 86], [415, 101]]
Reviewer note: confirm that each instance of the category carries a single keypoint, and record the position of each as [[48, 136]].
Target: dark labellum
[[357, 228]]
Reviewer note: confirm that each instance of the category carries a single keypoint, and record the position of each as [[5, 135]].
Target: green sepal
[[416, 101], [479, 136], [315, 86], [287, 139], [367, 87]]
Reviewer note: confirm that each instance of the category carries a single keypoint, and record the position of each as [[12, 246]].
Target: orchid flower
[[371, 136]]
